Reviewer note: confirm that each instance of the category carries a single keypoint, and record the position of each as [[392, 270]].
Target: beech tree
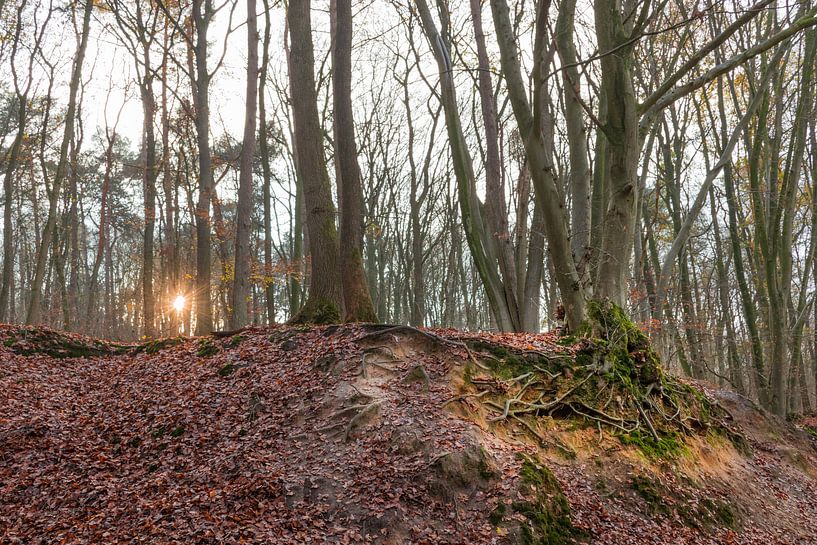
[[324, 303]]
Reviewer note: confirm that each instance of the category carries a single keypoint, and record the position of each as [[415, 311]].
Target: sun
[[179, 302]]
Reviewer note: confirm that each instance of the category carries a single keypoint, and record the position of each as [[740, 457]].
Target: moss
[[485, 470], [567, 340], [227, 370], [689, 516], [468, 373], [628, 349], [707, 513], [812, 431], [317, 311], [206, 348], [178, 431], [39, 340], [546, 508], [724, 514], [235, 340], [668, 446], [506, 363], [154, 346], [281, 335], [497, 514], [650, 494], [466, 468], [158, 432]]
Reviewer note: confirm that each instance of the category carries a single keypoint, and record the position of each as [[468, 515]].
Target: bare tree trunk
[[149, 180], [242, 271], [11, 164], [496, 211], [33, 315], [533, 132], [263, 146], [91, 309], [621, 152], [171, 246], [480, 245], [356, 298], [324, 304], [576, 135], [202, 13]]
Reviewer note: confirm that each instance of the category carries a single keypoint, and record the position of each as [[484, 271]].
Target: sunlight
[[178, 303]]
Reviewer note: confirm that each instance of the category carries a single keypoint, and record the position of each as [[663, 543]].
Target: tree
[[242, 269], [33, 315], [324, 303], [356, 299], [138, 32]]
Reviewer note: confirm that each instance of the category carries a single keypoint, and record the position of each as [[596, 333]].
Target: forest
[[620, 182], [506, 163]]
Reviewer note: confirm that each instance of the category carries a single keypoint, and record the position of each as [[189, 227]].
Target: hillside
[[381, 434]]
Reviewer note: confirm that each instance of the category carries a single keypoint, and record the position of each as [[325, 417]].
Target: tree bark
[[242, 270], [324, 303], [263, 147], [542, 171], [356, 298], [33, 315]]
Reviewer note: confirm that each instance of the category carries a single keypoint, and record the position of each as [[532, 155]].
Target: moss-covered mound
[[29, 341]]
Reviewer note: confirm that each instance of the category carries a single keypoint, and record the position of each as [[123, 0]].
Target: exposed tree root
[[614, 381], [365, 363]]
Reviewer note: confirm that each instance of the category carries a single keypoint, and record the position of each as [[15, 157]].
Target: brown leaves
[[161, 448]]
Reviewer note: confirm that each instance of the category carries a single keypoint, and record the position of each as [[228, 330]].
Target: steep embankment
[[383, 435]]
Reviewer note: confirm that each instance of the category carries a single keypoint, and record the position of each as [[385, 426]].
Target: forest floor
[[357, 434]]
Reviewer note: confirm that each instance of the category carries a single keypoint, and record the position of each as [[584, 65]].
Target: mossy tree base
[[29, 341], [317, 311]]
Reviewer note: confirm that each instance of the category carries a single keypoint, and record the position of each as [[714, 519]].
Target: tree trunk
[[33, 315], [263, 145], [356, 298], [202, 14], [621, 153], [242, 270], [496, 211], [149, 176], [533, 126], [576, 135], [324, 304]]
